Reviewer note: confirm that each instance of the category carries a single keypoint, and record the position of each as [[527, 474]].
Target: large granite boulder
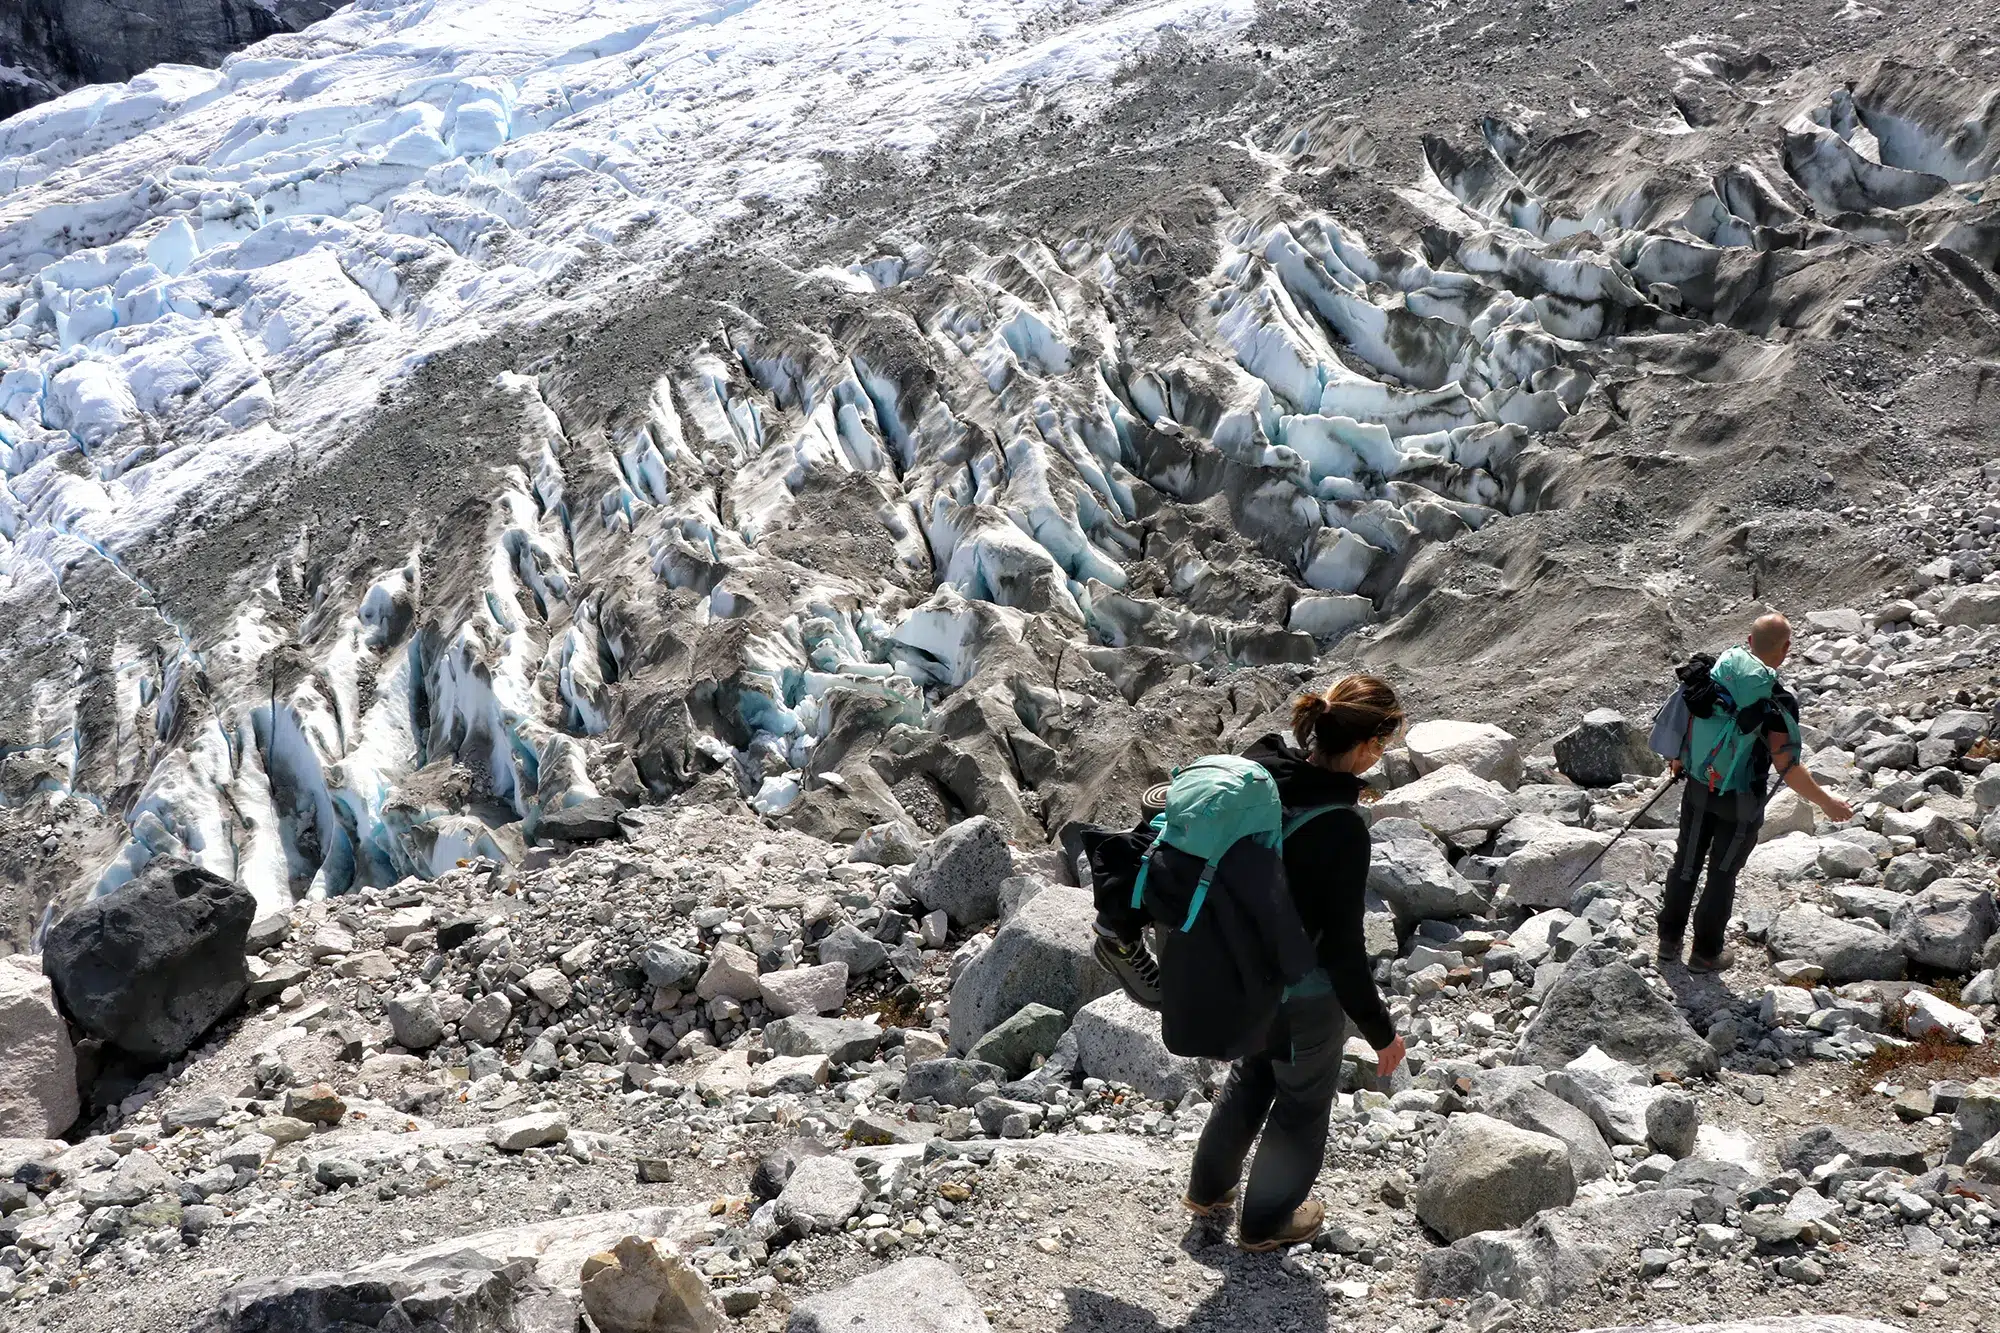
[[38, 1068], [1487, 750], [959, 872], [1041, 956], [1484, 1174]]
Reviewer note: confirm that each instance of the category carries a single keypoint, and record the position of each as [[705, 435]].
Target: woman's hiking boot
[[1216, 1209], [1722, 962], [1132, 964], [1304, 1227]]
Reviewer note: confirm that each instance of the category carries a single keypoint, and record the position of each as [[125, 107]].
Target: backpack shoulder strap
[[1146, 862], [1299, 819], [1200, 894]]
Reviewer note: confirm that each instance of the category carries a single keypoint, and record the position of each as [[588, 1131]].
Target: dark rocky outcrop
[[57, 45], [150, 968]]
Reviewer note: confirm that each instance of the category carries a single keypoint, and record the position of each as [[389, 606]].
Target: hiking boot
[[1303, 1228], [1220, 1206], [1133, 966], [1669, 951], [1722, 962]]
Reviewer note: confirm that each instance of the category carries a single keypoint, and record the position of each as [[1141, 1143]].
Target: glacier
[[372, 488]]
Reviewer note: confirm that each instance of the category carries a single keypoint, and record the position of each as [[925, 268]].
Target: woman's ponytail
[[1354, 710]]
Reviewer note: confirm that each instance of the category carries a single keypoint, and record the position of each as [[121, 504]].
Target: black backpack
[[1227, 957]]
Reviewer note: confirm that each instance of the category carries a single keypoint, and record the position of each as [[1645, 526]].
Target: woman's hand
[[1390, 1056]]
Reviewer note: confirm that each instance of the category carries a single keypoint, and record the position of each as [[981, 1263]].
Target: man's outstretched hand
[[1390, 1056]]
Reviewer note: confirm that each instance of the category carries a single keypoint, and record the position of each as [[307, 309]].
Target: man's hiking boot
[[1216, 1209], [1722, 962], [1134, 967], [1305, 1225], [1669, 951]]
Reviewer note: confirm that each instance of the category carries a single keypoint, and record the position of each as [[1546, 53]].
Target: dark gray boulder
[[669, 966], [1611, 1007], [951, 1082], [151, 967], [1603, 749], [1867, 1147]]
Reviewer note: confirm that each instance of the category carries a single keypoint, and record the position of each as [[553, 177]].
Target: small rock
[[317, 1104], [1946, 925], [487, 1018], [1868, 1148], [1033, 1031], [842, 1040], [268, 932], [528, 1131], [337, 1172], [548, 986], [668, 966], [203, 1112], [590, 820], [805, 990], [1928, 1014], [789, 1073], [1672, 1122], [950, 1082], [414, 1020], [1615, 1095], [821, 1193], [891, 844], [848, 947]]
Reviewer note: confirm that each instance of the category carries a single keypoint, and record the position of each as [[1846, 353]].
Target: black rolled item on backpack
[[1698, 687]]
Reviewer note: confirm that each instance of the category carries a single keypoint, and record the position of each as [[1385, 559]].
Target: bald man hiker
[[1734, 719]]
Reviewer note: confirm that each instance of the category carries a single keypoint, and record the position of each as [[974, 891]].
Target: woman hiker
[[1287, 1090]]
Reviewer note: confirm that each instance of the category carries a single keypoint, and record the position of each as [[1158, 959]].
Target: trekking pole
[[1630, 824]]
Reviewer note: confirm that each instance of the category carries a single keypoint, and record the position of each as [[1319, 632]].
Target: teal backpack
[[1213, 880], [1721, 744], [1213, 804]]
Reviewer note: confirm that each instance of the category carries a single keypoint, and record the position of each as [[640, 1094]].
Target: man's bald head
[[1771, 639]]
